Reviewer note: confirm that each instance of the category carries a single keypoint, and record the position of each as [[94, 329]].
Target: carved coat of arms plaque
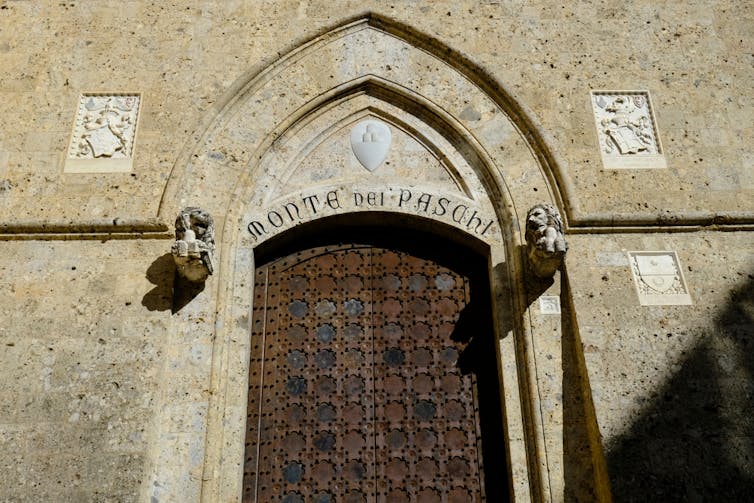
[[104, 133], [658, 278], [370, 142], [627, 130]]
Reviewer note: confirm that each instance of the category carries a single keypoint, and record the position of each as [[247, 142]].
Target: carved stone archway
[[281, 139]]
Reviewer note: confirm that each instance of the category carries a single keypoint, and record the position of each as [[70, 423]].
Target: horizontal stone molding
[[688, 222], [156, 229], [116, 228]]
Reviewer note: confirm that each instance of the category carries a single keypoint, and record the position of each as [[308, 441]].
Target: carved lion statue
[[198, 221], [545, 242], [194, 246]]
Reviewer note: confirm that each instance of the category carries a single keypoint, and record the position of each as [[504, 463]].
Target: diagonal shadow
[[695, 442], [583, 461]]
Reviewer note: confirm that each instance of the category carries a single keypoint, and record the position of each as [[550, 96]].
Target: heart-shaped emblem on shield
[[370, 142]]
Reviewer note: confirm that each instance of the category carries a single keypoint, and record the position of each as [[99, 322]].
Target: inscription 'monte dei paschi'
[[307, 206]]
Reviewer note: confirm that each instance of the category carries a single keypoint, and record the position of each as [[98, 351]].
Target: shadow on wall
[[695, 442], [584, 471], [160, 273], [170, 292]]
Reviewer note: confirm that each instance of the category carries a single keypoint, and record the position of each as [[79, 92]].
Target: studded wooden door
[[354, 391]]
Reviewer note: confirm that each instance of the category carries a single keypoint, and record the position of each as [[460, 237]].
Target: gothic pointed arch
[[370, 53], [280, 137]]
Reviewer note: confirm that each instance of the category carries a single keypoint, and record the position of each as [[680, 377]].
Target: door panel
[[354, 391]]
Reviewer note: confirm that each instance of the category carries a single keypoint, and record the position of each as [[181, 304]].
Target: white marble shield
[[656, 264], [103, 142], [658, 271], [661, 284], [370, 141]]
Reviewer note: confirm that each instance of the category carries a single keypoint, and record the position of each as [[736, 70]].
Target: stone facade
[[627, 376]]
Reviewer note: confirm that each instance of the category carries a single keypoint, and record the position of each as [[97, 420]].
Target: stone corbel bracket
[[194, 246], [545, 243]]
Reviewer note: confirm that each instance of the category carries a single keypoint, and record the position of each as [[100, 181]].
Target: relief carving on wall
[[104, 130], [626, 130], [658, 278], [105, 126], [545, 243], [370, 142], [549, 304], [194, 246]]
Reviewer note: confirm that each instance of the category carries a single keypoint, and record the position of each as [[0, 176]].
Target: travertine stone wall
[[106, 390], [184, 57], [83, 336], [671, 384]]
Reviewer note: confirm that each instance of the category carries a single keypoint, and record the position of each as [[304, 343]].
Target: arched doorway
[[275, 160], [373, 375]]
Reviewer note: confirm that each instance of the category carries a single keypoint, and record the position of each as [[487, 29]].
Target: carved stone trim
[[417, 200], [104, 133], [658, 278], [627, 130]]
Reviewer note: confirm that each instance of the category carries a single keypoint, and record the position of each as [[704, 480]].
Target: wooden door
[[355, 394]]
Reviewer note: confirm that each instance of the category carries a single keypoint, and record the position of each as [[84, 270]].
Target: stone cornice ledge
[[595, 223], [104, 229], [666, 222]]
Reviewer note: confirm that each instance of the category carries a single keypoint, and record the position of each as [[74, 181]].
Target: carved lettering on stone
[[305, 206], [104, 133], [627, 130], [194, 246], [370, 142], [658, 278], [545, 243]]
